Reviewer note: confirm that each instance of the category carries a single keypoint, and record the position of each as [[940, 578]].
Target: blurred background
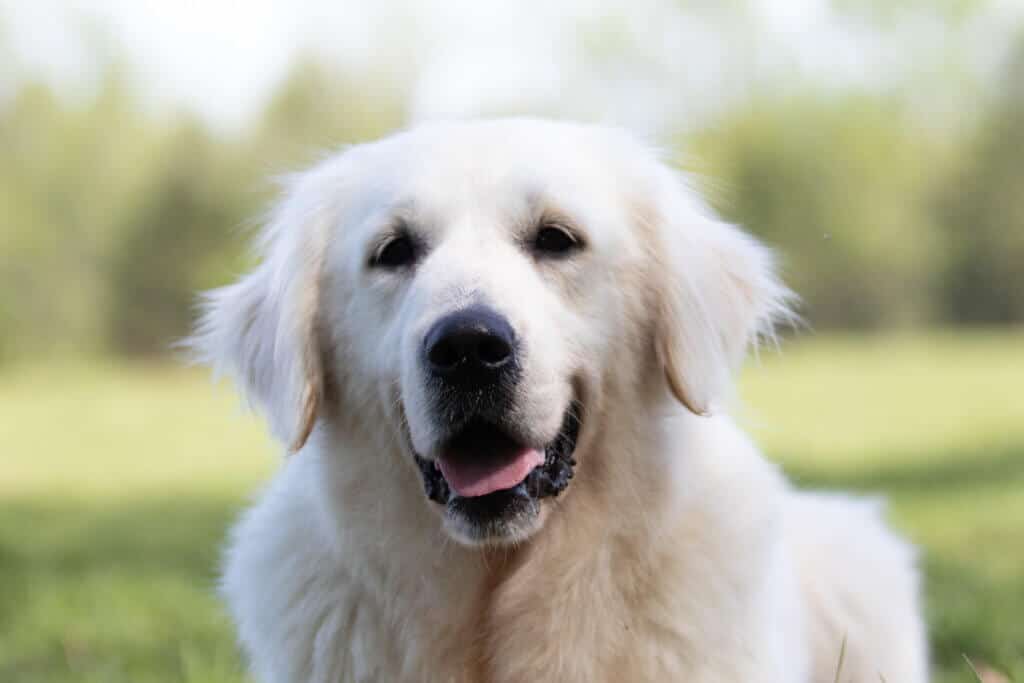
[[879, 146]]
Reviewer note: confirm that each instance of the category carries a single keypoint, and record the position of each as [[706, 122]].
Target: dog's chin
[[491, 487], [503, 517]]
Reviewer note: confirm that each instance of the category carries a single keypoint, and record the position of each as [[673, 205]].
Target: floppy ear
[[263, 331], [718, 294]]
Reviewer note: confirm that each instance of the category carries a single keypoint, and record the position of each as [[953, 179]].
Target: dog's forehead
[[501, 170]]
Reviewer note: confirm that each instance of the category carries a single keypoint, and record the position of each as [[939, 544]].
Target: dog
[[500, 353]]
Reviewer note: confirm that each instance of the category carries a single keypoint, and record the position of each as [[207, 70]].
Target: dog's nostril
[[493, 351], [444, 354]]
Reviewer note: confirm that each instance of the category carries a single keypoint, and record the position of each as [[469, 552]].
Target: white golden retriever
[[499, 352]]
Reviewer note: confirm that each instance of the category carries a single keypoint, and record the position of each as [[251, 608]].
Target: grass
[[118, 481]]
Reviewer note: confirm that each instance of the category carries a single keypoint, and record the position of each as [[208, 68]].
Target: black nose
[[473, 346]]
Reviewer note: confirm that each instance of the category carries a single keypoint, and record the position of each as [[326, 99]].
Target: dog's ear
[[263, 331], [718, 294]]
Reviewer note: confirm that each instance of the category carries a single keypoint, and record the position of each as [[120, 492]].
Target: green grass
[[118, 481], [116, 486]]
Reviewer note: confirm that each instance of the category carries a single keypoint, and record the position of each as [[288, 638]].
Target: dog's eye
[[398, 252], [552, 240]]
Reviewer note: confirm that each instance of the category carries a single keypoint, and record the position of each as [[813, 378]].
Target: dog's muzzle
[[484, 473]]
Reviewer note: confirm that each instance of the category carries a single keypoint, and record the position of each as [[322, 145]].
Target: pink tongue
[[471, 477]]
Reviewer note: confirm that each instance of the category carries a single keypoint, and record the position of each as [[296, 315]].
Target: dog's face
[[484, 281], [489, 288]]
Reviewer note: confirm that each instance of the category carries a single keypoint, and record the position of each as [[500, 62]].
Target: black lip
[[547, 480]]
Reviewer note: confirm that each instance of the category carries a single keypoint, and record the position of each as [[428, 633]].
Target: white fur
[[677, 553]]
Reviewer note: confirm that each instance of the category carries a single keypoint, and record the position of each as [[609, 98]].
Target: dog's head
[[489, 288]]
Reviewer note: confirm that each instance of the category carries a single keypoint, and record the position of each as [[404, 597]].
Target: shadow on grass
[[955, 469], [970, 615], [120, 592], [180, 534]]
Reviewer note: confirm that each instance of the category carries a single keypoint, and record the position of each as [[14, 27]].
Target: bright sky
[[463, 57]]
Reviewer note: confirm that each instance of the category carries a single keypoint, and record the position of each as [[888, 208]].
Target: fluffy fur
[[677, 552]]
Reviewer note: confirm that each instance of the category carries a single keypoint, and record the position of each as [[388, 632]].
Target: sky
[[464, 57]]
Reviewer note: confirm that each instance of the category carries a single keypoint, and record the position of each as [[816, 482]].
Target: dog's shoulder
[[283, 581]]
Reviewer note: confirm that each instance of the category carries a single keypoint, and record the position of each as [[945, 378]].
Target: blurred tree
[[177, 241], [316, 109], [183, 237], [112, 218], [839, 186], [66, 173], [981, 208]]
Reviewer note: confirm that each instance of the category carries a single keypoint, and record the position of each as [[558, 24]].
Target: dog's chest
[[496, 627], [574, 614], [573, 623], [510, 620]]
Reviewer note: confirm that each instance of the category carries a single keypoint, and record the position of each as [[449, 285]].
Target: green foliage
[[839, 186], [981, 209], [177, 240], [113, 218], [67, 174], [318, 110]]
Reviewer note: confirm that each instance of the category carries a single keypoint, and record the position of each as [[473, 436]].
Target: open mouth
[[483, 470]]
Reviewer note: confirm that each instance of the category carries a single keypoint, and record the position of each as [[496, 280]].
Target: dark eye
[[398, 252], [552, 240]]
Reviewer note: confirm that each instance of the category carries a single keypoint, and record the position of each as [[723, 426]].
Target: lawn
[[118, 482]]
